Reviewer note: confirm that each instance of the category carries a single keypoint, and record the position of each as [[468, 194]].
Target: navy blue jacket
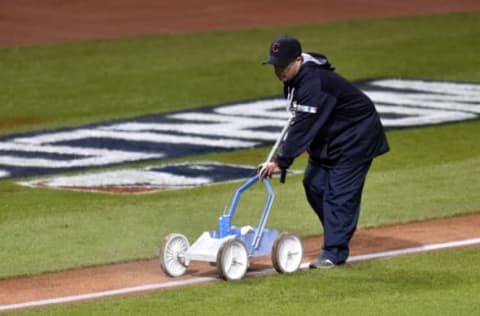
[[346, 128]]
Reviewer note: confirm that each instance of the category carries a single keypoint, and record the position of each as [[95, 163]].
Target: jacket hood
[[317, 59], [309, 60]]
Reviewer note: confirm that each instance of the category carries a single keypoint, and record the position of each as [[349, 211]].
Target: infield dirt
[[24, 22]]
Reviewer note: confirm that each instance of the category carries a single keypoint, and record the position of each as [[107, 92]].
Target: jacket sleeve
[[305, 125]]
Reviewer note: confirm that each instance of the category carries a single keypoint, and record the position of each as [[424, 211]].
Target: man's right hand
[[266, 169]]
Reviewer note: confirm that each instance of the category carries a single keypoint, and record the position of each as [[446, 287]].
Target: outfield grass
[[430, 172], [425, 284], [79, 82], [49, 230], [57, 230]]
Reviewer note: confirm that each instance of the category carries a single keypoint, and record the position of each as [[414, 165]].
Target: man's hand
[[266, 169]]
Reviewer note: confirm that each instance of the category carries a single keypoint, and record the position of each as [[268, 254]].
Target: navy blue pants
[[335, 195]]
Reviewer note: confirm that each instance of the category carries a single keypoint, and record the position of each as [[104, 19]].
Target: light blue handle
[[226, 220]]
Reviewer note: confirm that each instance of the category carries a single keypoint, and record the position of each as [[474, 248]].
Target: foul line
[[198, 280], [424, 248]]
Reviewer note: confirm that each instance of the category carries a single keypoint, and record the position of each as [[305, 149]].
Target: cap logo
[[275, 47]]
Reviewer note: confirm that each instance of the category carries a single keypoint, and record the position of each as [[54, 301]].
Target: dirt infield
[[31, 21], [25, 22]]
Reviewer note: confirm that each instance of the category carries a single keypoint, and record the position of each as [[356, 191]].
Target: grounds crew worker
[[339, 127]]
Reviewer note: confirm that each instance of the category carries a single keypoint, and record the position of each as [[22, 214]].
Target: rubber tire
[[172, 255], [286, 247], [232, 253]]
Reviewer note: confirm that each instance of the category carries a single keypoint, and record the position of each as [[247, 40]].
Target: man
[[339, 127]]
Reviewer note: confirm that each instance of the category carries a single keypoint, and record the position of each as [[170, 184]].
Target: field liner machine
[[230, 248]]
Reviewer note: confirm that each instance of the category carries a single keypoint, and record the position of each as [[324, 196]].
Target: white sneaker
[[320, 263]]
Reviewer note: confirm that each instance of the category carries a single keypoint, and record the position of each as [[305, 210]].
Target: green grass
[[440, 283], [78, 82], [430, 172], [45, 230]]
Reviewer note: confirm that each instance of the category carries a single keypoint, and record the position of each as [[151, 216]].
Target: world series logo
[[256, 123]]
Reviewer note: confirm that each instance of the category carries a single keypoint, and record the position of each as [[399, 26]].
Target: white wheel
[[173, 251], [232, 260], [287, 253]]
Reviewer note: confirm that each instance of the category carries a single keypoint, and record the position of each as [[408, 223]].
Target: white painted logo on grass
[[149, 179], [401, 104], [4, 174], [404, 103]]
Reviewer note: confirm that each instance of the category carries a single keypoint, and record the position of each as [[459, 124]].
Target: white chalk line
[[198, 280], [424, 248]]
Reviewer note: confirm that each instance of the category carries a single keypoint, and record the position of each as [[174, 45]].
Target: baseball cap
[[283, 50]]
